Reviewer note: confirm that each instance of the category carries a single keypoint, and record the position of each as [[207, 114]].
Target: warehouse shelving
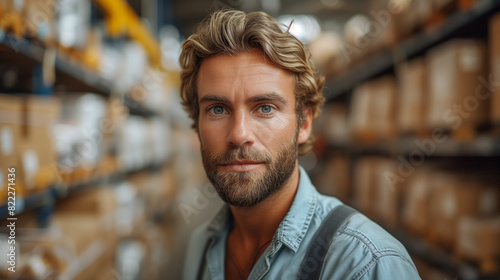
[[28, 56], [72, 76], [36, 52], [485, 146], [43, 201], [385, 62], [480, 150]]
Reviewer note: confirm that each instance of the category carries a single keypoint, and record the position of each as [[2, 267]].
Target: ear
[[305, 129]]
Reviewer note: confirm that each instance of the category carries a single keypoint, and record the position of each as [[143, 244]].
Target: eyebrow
[[270, 96], [214, 98]]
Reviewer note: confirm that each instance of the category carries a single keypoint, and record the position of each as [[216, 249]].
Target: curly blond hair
[[232, 32]]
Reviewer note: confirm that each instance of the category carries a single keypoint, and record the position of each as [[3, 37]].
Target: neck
[[255, 225]]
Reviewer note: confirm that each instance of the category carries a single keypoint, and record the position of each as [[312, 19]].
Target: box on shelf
[[373, 109], [387, 193], [412, 101], [11, 16], [11, 118], [37, 154], [39, 19], [91, 247], [14, 5], [73, 246], [416, 198], [334, 123], [455, 196], [99, 202], [455, 69], [11, 124], [334, 178], [479, 240], [26, 141], [81, 134], [494, 33], [73, 17], [131, 211], [324, 49], [364, 188], [385, 29], [360, 114]]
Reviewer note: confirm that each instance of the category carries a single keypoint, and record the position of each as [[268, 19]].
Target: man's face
[[247, 126]]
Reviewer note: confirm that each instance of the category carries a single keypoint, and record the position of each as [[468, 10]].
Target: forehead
[[250, 72]]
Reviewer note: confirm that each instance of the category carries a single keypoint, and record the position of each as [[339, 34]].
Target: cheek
[[276, 131], [208, 138]]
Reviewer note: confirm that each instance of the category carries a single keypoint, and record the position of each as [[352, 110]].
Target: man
[[253, 95]]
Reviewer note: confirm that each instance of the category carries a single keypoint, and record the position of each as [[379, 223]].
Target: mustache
[[241, 153]]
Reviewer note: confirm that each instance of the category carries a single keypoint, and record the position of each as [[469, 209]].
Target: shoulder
[[361, 249]]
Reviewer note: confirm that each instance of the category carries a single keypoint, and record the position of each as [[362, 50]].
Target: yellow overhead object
[[122, 20]]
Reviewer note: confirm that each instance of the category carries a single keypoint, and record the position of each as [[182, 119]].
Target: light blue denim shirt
[[360, 250]]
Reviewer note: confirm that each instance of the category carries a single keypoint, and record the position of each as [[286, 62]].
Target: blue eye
[[217, 110], [266, 109]]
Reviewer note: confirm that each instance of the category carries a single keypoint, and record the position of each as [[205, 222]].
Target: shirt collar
[[293, 227]]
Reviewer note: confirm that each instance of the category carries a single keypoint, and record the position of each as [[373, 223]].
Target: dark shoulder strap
[[312, 263]]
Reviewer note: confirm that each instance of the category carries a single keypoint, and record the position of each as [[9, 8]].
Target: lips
[[241, 165], [242, 162]]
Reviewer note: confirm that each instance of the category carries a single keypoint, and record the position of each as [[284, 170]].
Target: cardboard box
[[455, 196], [454, 72], [387, 193], [373, 110], [39, 16], [87, 240], [36, 152], [14, 5], [11, 119], [335, 123], [99, 202], [415, 205], [412, 98], [364, 184], [334, 178], [479, 238], [495, 67], [361, 112], [384, 112]]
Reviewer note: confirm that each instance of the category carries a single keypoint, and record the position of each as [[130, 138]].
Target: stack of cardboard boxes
[[26, 142]]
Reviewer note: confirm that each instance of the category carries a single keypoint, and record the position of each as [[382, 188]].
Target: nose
[[240, 130]]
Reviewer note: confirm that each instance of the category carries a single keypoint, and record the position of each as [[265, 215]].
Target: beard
[[245, 189]]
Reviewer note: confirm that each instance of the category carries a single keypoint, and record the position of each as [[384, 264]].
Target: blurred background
[[101, 173]]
